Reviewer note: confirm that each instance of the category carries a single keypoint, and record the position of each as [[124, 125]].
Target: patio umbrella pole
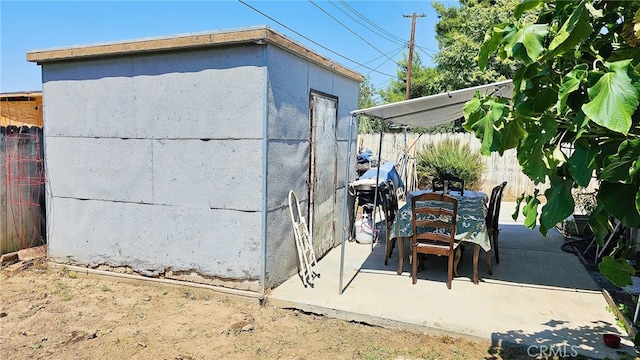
[[345, 211]]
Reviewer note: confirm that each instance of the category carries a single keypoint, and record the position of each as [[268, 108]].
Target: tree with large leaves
[[578, 88]]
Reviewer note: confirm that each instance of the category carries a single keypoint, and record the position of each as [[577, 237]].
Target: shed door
[[322, 189]]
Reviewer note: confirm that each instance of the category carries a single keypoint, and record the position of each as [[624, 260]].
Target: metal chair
[[492, 219], [449, 183], [390, 205], [433, 221]]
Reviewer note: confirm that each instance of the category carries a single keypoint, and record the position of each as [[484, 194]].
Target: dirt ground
[[49, 312]]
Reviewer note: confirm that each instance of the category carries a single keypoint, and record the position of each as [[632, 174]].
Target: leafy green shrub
[[450, 157]]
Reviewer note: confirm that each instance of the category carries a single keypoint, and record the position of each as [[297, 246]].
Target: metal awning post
[[406, 167], [376, 191], [345, 211]]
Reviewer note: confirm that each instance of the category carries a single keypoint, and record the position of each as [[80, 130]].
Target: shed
[[173, 157], [22, 179], [21, 109]]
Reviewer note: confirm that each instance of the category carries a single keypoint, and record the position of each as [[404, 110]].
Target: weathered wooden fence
[[499, 168], [22, 196]]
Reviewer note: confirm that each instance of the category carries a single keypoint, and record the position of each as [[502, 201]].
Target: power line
[[419, 7], [396, 52], [426, 51], [394, 5], [351, 31], [398, 40], [367, 27], [379, 87], [344, 3], [308, 39]]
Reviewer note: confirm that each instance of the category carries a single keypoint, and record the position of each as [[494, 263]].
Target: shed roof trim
[[19, 95], [252, 35]]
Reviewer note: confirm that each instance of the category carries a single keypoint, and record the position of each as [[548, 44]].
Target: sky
[[368, 37]]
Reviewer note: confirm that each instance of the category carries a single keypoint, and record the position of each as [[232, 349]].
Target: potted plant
[[585, 202], [577, 224]]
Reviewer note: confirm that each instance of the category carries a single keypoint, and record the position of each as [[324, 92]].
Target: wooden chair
[[433, 221], [492, 219], [390, 206], [454, 184]]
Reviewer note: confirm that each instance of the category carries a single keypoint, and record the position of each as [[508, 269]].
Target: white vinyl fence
[[499, 168]]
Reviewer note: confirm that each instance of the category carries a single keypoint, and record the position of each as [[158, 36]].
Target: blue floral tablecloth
[[470, 222]]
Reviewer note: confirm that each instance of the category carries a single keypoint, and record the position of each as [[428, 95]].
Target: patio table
[[470, 226]]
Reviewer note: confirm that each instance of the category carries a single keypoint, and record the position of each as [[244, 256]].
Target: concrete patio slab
[[538, 297]]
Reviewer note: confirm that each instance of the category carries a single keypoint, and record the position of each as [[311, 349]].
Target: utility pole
[[411, 44]]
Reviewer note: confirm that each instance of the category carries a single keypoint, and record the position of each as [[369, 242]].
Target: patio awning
[[420, 112], [433, 109]]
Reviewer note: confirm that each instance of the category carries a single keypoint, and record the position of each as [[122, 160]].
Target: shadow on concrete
[[538, 295], [558, 341], [526, 259]]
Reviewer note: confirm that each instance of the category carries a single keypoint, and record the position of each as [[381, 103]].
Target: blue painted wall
[[155, 160]]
